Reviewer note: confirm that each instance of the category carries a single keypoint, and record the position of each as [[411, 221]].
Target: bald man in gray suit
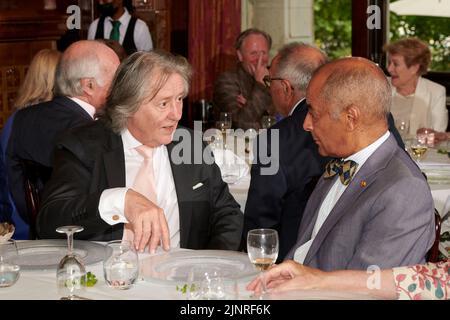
[[382, 216]]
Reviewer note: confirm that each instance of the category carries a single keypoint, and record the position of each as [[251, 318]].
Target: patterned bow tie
[[345, 169]]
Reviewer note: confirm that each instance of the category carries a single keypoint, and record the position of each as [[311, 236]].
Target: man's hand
[[288, 275], [260, 71], [148, 222], [241, 101]]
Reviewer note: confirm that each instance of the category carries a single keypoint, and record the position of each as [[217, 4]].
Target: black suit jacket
[[90, 159], [33, 137], [277, 201]]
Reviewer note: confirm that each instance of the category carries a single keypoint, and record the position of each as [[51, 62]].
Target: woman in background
[[36, 87], [416, 100]]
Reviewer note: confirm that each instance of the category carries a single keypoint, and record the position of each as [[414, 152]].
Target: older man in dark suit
[[277, 201], [128, 177], [82, 81]]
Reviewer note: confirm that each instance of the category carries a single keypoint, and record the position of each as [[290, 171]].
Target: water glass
[[9, 269], [121, 266], [208, 283]]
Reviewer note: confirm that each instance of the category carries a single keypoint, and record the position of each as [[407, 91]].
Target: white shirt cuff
[[112, 205]]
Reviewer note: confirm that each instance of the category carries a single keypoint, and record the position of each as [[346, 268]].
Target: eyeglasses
[[267, 80]]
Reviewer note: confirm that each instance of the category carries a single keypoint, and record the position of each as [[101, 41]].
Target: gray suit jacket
[[387, 221]]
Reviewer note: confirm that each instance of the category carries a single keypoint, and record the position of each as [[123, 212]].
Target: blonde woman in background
[[416, 100], [36, 87], [38, 83]]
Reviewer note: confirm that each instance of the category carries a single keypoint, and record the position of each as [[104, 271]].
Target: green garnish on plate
[[184, 289], [91, 279]]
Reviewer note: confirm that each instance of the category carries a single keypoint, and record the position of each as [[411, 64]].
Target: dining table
[[39, 283]]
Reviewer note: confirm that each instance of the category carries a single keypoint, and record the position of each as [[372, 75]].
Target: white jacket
[[429, 106]]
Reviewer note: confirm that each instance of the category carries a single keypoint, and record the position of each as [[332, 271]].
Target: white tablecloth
[[41, 285]]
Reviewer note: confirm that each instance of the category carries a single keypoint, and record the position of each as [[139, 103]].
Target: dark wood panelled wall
[[29, 26]]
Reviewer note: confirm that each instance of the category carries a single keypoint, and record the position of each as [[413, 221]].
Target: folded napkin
[[232, 167]]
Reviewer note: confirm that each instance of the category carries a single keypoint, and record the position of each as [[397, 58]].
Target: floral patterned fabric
[[429, 281]]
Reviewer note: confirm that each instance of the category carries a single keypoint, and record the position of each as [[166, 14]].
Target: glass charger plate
[[175, 266], [46, 254]]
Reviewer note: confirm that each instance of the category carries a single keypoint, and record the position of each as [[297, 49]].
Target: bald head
[[81, 61], [353, 81], [348, 100]]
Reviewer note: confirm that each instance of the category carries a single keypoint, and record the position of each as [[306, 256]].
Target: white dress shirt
[[335, 193], [112, 201], [90, 109], [295, 107], [142, 37]]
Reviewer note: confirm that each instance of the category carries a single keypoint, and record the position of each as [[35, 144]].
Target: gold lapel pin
[[363, 184]]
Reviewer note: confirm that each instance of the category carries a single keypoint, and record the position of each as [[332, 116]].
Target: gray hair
[[138, 80], [363, 84], [297, 62], [72, 68], [244, 34]]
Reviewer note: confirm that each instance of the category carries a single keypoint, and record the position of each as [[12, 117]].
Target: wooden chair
[[35, 176], [433, 253]]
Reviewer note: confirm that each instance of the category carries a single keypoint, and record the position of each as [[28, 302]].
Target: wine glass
[[223, 126], [262, 248], [267, 121], [9, 270], [402, 127], [71, 273], [418, 148], [227, 118]]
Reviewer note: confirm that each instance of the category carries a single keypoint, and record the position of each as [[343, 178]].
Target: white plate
[[46, 254], [175, 266]]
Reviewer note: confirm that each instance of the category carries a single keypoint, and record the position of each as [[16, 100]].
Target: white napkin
[[232, 167]]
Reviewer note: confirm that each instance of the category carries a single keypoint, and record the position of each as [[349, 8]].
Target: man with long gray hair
[[83, 78], [122, 178]]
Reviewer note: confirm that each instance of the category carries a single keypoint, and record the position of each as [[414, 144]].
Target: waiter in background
[[117, 23]]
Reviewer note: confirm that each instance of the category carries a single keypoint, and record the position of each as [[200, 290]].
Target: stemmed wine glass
[[262, 248], [418, 149], [71, 273]]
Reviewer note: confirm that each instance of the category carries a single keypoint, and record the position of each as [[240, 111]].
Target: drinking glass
[[71, 273], [262, 248], [9, 270], [208, 283], [226, 117], [121, 266], [402, 126], [223, 126], [418, 149], [267, 121]]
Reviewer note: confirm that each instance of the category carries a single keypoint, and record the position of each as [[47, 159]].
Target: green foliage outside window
[[333, 31]]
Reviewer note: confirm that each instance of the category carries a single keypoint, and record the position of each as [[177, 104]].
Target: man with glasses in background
[[277, 201]]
